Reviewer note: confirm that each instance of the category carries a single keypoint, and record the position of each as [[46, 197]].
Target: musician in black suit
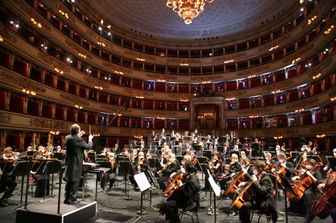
[[286, 164], [186, 196], [75, 145], [263, 197]]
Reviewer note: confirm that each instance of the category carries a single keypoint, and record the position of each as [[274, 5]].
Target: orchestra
[[175, 162]]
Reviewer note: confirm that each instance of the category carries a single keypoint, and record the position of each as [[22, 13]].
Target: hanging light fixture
[[187, 9]]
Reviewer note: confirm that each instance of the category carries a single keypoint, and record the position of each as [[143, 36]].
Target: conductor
[[75, 145]]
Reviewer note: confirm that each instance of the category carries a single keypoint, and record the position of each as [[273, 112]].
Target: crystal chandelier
[[187, 9]]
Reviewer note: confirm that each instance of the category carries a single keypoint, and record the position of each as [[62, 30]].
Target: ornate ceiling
[[220, 18]]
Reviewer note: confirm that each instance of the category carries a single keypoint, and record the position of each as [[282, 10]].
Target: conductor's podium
[[46, 212]]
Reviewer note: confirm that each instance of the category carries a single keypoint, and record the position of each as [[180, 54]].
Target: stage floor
[[112, 207]]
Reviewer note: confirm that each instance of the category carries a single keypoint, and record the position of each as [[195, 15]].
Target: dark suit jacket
[[264, 192], [75, 146], [189, 192]]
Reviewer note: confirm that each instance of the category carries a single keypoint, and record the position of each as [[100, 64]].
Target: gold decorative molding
[[8, 36], [255, 111], [96, 82], [303, 103], [5, 118], [77, 48], [22, 82], [49, 124], [327, 127], [74, 99]]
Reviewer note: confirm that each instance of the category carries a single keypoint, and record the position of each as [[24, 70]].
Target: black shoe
[[109, 189], [205, 189], [67, 201], [72, 199], [3, 203]]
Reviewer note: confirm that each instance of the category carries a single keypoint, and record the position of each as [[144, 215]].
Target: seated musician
[[215, 168], [324, 187], [140, 166], [170, 167], [7, 182], [268, 158], [331, 166], [186, 196], [309, 169], [233, 168], [286, 164], [113, 173], [263, 196]]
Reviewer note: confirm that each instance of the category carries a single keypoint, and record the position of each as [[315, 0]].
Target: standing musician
[[7, 182], [75, 145], [186, 196], [309, 170], [262, 197]]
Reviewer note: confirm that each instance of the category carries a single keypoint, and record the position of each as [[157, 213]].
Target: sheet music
[[142, 181], [216, 189]]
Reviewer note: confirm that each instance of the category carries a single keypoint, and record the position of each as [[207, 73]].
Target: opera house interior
[[168, 111]]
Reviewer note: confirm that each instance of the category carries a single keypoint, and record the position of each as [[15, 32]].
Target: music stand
[[124, 170], [285, 186], [154, 163], [59, 156], [220, 149], [216, 193], [22, 168], [207, 153], [52, 167], [143, 185]]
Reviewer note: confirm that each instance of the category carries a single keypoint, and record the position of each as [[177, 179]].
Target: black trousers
[[245, 211], [308, 199], [71, 189], [171, 211], [333, 214], [9, 184]]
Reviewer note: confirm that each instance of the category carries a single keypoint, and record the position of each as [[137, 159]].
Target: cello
[[173, 186], [247, 192], [233, 186], [327, 201], [306, 180]]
